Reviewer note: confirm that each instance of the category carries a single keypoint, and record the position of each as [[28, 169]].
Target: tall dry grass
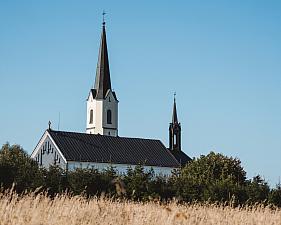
[[65, 210]]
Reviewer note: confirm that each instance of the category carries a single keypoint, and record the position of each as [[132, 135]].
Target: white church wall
[[120, 168], [47, 153], [98, 118], [100, 108], [96, 105], [90, 106], [110, 104]]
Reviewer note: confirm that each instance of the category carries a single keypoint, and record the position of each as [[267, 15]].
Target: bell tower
[[175, 130], [102, 103]]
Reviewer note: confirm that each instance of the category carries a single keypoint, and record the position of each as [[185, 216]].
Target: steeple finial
[[103, 17], [49, 124], [175, 116]]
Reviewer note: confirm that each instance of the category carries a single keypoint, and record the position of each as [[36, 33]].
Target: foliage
[[214, 177], [211, 178], [257, 190], [215, 167], [17, 168], [275, 196], [137, 182], [54, 180], [87, 181]]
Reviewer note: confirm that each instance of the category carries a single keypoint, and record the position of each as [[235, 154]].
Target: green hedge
[[213, 178]]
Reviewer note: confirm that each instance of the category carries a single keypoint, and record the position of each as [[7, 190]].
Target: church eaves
[[102, 82]]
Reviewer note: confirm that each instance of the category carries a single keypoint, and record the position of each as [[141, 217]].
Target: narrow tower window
[[109, 117], [91, 116]]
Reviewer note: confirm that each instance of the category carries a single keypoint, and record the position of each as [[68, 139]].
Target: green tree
[[257, 190], [108, 177], [161, 188], [16, 167], [55, 180], [275, 196], [214, 167], [87, 181], [137, 182], [213, 177]]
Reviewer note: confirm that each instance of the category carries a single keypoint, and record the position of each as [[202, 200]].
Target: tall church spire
[[102, 103], [175, 130], [102, 83]]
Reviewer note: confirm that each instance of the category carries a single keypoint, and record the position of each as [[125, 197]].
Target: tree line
[[213, 178]]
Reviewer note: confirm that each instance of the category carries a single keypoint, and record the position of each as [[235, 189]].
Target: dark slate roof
[[102, 82], [118, 150], [182, 158]]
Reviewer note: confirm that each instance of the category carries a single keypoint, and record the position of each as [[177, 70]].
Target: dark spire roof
[[175, 116], [102, 83]]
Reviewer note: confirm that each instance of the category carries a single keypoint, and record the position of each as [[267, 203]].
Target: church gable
[[47, 152]]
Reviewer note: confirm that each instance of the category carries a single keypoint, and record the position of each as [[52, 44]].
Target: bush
[[137, 183], [55, 180], [275, 196], [17, 168], [86, 181], [257, 190], [212, 178]]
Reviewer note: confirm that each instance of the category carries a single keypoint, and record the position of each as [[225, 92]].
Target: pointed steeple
[[175, 116], [175, 130], [102, 83], [102, 103]]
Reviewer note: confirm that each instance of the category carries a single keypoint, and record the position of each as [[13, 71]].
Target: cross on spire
[[103, 17]]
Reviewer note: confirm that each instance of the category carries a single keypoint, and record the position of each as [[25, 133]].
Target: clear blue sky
[[221, 57]]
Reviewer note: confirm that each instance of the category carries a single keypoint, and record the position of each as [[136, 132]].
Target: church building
[[101, 146]]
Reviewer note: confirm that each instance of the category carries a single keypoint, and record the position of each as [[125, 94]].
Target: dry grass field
[[65, 210]]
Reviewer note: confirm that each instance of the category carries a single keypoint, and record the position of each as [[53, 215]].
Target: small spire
[[49, 124], [175, 116]]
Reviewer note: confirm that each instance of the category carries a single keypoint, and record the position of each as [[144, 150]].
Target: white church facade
[[101, 146]]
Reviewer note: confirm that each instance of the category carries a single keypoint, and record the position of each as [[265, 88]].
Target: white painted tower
[[102, 103]]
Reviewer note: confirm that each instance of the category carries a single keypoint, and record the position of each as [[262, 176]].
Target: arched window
[[109, 117], [91, 116]]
